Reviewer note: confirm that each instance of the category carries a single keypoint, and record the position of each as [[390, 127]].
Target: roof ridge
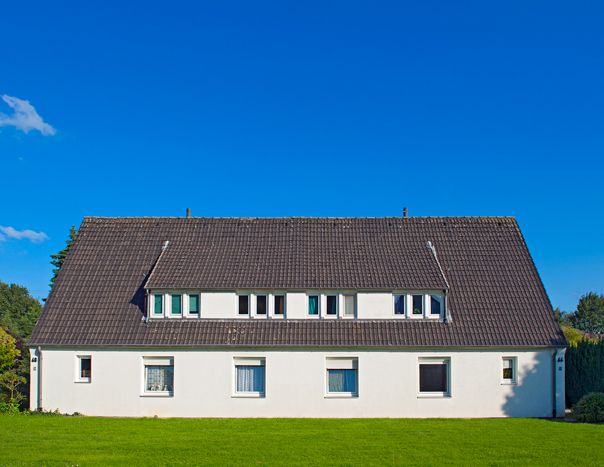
[[310, 218]]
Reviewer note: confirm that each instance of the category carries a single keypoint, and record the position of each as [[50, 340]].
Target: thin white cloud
[[24, 117], [31, 235]]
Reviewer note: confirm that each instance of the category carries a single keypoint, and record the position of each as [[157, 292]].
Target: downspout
[[39, 351]]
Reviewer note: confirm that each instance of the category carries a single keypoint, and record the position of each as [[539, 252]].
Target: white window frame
[[320, 299], [343, 314], [337, 296], [434, 361], [268, 301], [249, 304], [405, 296], [78, 369], [152, 305], [187, 302], [248, 361], [514, 379], [428, 312], [157, 360], [340, 363], [272, 308], [168, 310], [409, 313]]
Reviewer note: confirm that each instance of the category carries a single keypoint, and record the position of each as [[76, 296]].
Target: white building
[[299, 317]]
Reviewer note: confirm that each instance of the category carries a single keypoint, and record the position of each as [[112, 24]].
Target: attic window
[[313, 305], [418, 305], [261, 303], [436, 305], [332, 305], [279, 305], [193, 304], [244, 304], [176, 304], [158, 306], [399, 305]]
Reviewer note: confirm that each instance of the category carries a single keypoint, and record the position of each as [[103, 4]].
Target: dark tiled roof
[[496, 297]]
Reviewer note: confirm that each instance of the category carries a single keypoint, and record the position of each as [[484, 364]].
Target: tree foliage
[[19, 311], [10, 379], [8, 351], [57, 259], [589, 315]]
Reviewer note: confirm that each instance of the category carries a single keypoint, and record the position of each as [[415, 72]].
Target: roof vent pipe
[[188, 212], [405, 212]]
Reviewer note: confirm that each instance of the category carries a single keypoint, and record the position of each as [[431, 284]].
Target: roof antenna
[[405, 212], [165, 245], [188, 212]]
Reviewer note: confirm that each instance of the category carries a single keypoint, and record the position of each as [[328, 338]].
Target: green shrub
[[11, 407], [590, 408]]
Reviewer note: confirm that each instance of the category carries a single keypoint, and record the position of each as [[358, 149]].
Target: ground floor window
[[342, 376], [84, 370], [159, 375], [250, 376], [509, 370], [434, 376]]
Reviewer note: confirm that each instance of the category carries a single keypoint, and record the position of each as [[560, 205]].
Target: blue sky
[[305, 109]]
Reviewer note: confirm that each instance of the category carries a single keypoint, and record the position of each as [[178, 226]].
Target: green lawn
[[57, 440]]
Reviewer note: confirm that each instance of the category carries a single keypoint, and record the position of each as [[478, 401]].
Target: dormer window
[[417, 305], [176, 304], [158, 304], [280, 305], [332, 305], [399, 304], [244, 304], [313, 305], [261, 305], [194, 304], [436, 305]]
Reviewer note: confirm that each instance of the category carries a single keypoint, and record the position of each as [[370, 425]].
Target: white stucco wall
[[295, 384]]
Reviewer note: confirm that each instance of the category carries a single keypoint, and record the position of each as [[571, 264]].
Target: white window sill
[[509, 383], [433, 395], [248, 395], [86, 381], [341, 395], [157, 394]]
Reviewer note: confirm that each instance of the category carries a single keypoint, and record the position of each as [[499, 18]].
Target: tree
[[8, 351], [589, 315], [19, 311], [10, 379], [58, 258]]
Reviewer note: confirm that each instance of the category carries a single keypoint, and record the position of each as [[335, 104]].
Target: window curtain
[[250, 378], [342, 380], [160, 378], [313, 305]]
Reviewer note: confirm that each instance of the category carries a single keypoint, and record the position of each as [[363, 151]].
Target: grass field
[[54, 440]]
